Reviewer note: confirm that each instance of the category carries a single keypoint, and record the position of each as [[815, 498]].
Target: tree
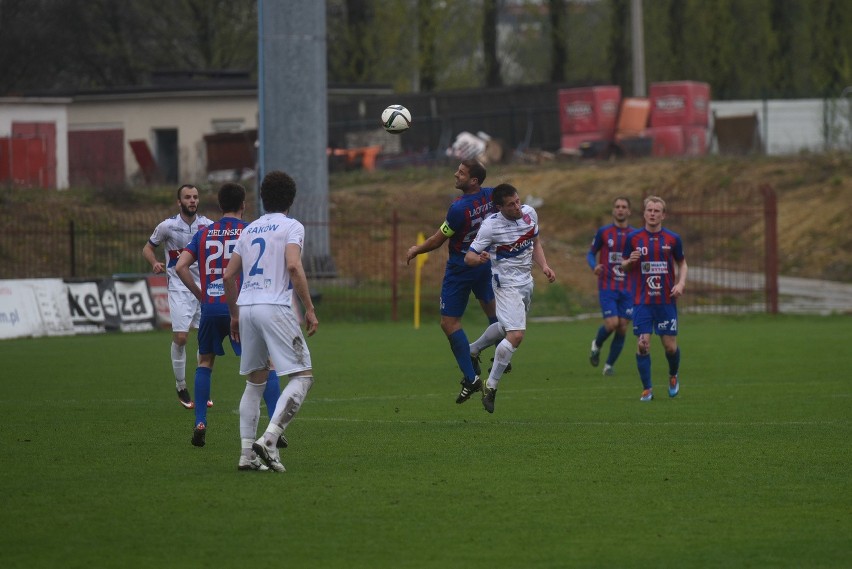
[[558, 15], [832, 52], [32, 43], [427, 33], [790, 20], [489, 44], [618, 56]]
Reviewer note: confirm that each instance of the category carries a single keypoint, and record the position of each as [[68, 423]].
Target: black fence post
[[73, 247]]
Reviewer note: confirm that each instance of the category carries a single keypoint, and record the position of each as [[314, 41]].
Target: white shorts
[[185, 310], [513, 303], [272, 332]]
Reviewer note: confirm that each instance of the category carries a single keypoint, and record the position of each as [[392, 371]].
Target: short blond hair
[[655, 199]]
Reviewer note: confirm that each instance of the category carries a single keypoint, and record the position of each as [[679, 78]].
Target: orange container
[[633, 117]]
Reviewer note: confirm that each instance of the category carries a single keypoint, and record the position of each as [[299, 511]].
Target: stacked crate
[[588, 115], [679, 118]]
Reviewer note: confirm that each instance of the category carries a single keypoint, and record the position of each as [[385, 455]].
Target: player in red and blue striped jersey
[[652, 254], [212, 247], [460, 227], [615, 289]]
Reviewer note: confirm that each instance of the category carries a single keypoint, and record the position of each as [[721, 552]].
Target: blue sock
[[461, 350], [602, 336], [492, 320], [202, 393], [643, 363], [674, 361], [272, 392], [615, 348]]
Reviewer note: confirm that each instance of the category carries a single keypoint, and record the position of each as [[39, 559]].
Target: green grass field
[[747, 467]]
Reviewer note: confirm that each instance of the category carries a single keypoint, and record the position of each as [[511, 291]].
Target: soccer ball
[[396, 119]]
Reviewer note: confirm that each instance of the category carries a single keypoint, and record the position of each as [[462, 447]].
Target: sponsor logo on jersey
[[655, 268], [216, 289]]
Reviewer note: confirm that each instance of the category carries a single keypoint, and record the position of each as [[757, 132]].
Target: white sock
[[250, 410], [288, 405], [492, 335], [245, 448], [179, 365], [502, 357]]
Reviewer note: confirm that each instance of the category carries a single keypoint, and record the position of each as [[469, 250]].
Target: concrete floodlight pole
[[293, 114], [638, 44]]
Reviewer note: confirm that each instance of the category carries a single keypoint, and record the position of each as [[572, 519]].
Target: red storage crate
[[668, 140], [694, 140], [679, 103], [589, 109]]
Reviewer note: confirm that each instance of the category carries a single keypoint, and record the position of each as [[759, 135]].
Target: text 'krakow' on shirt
[[262, 246]]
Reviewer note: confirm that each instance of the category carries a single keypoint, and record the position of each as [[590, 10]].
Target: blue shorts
[[459, 283], [211, 331], [659, 319], [616, 303]]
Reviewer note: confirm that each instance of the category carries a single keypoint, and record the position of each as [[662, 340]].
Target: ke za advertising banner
[[110, 305]]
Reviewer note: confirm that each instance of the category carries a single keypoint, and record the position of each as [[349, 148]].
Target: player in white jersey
[[509, 238], [268, 255], [174, 234]]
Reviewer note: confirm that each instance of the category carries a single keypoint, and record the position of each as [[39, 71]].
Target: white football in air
[[396, 119]]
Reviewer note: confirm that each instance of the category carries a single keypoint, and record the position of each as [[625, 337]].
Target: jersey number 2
[[255, 268]]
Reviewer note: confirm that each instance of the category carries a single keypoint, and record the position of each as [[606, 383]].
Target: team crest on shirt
[[527, 218]]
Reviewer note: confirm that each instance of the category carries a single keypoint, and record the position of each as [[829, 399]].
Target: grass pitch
[[747, 467]]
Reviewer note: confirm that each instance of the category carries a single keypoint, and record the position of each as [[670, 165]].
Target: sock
[[615, 348], [179, 365], [250, 410], [202, 393], [643, 363], [245, 448], [491, 337], [492, 320], [272, 392], [288, 405], [502, 356], [461, 350], [601, 336], [674, 361]]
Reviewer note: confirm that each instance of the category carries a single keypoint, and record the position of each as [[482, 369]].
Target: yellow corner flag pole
[[418, 266]]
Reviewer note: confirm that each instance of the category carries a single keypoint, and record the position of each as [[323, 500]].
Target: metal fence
[[729, 234]]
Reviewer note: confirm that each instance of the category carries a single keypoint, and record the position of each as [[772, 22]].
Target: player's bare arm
[[540, 260], [680, 286], [432, 243], [293, 255], [232, 292], [474, 259], [182, 269], [628, 262], [150, 255]]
